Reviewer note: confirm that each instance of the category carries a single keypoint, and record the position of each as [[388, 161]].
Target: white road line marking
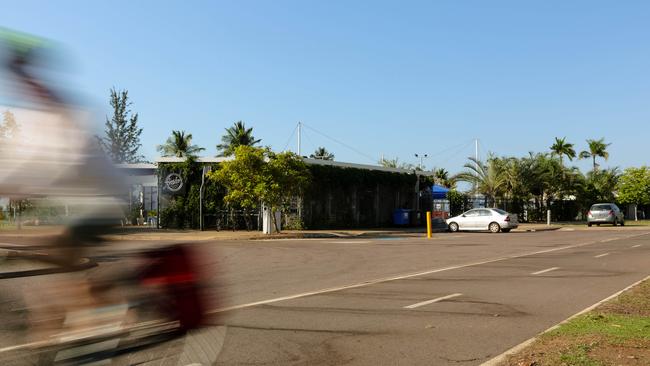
[[13, 245], [400, 277], [294, 239], [545, 270], [635, 246], [349, 241], [601, 255], [610, 239], [431, 301]]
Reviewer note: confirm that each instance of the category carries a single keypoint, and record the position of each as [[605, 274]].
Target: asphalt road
[[456, 299]]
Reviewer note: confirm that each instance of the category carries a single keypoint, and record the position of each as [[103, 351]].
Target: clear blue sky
[[385, 77]]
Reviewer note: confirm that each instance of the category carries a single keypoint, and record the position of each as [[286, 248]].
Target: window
[[500, 211], [601, 207], [485, 213], [471, 213]]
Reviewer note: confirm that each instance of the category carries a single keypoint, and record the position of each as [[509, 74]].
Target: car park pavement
[[459, 298], [454, 299]]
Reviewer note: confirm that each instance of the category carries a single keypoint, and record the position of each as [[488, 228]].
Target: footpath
[[137, 233]]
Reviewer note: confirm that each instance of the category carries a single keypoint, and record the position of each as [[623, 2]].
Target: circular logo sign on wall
[[173, 182]]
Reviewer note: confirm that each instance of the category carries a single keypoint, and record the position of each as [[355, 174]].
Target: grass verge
[[615, 333]]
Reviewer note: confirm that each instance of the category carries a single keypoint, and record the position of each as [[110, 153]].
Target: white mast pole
[[299, 139]]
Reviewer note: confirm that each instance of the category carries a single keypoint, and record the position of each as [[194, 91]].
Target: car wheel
[[614, 223], [494, 227], [589, 224], [505, 230], [453, 227]]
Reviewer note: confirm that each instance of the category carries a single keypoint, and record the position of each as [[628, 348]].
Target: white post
[[474, 187], [299, 139], [141, 199], [548, 217], [205, 170], [201, 200], [268, 226]]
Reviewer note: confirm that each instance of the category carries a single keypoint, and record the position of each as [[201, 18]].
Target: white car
[[492, 219]]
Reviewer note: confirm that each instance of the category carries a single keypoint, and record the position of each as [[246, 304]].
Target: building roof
[[340, 164], [204, 159], [136, 166], [362, 166]]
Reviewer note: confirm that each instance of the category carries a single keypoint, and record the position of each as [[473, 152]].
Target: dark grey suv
[[605, 213]]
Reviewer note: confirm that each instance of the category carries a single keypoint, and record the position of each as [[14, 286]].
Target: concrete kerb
[[500, 360], [535, 228], [255, 235], [368, 234]]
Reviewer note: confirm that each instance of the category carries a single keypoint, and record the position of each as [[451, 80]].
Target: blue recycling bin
[[401, 216]]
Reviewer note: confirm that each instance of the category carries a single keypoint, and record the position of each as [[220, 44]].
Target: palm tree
[[441, 177], [561, 148], [602, 184], [180, 145], [394, 163], [487, 178], [322, 153], [237, 135], [597, 148]]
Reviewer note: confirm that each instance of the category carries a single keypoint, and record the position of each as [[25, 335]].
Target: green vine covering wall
[[349, 197], [336, 198]]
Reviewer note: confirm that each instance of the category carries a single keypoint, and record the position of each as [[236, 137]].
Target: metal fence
[[233, 220]]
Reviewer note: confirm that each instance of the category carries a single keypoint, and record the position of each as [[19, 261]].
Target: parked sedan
[[605, 213], [492, 219]]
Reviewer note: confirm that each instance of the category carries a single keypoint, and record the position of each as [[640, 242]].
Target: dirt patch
[[636, 301], [582, 351]]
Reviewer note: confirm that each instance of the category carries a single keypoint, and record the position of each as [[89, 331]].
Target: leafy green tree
[[244, 177], [122, 135], [600, 185], [547, 174], [259, 175], [515, 175], [458, 202], [288, 177], [322, 153], [634, 187], [236, 135], [597, 149], [180, 145], [562, 148], [487, 178]]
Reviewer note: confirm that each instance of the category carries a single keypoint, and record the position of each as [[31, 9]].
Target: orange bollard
[[428, 224]]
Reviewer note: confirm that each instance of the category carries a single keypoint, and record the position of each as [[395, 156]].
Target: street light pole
[[422, 157]]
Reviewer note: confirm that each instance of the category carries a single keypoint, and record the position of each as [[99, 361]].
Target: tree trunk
[[593, 158], [19, 219], [275, 221]]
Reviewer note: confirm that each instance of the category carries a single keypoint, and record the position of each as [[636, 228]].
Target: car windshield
[[602, 207], [500, 211]]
